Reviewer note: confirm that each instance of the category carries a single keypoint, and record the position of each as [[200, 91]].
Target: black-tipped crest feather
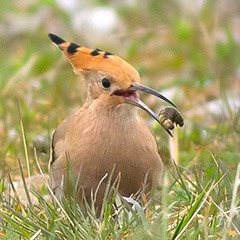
[[72, 48], [57, 40]]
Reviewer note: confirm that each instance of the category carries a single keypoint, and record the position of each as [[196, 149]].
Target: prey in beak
[[131, 97]]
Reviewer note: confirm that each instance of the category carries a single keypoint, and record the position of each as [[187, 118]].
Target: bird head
[[108, 76]]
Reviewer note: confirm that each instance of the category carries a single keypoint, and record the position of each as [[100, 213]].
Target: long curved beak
[[137, 102], [140, 87]]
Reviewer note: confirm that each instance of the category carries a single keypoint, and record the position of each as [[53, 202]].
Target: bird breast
[[99, 139]]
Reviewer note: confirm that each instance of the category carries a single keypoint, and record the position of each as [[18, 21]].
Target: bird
[[107, 135]]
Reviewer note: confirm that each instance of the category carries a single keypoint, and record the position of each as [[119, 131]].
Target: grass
[[191, 53], [186, 208]]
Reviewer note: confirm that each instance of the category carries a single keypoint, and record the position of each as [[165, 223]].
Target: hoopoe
[[107, 132]]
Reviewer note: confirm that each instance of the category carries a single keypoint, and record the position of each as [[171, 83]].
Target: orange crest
[[84, 59]]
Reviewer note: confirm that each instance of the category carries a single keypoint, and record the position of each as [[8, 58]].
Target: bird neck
[[123, 115]]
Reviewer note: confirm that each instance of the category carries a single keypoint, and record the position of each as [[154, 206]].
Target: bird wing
[[58, 138]]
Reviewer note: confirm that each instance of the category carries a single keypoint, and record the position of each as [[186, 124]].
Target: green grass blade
[[25, 184]]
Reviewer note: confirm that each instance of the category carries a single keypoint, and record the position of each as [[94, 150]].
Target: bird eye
[[106, 83]]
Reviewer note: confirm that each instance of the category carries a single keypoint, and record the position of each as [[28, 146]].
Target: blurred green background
[[188, 50]]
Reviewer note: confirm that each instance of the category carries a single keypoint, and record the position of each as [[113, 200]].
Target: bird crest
[[84, 59]]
